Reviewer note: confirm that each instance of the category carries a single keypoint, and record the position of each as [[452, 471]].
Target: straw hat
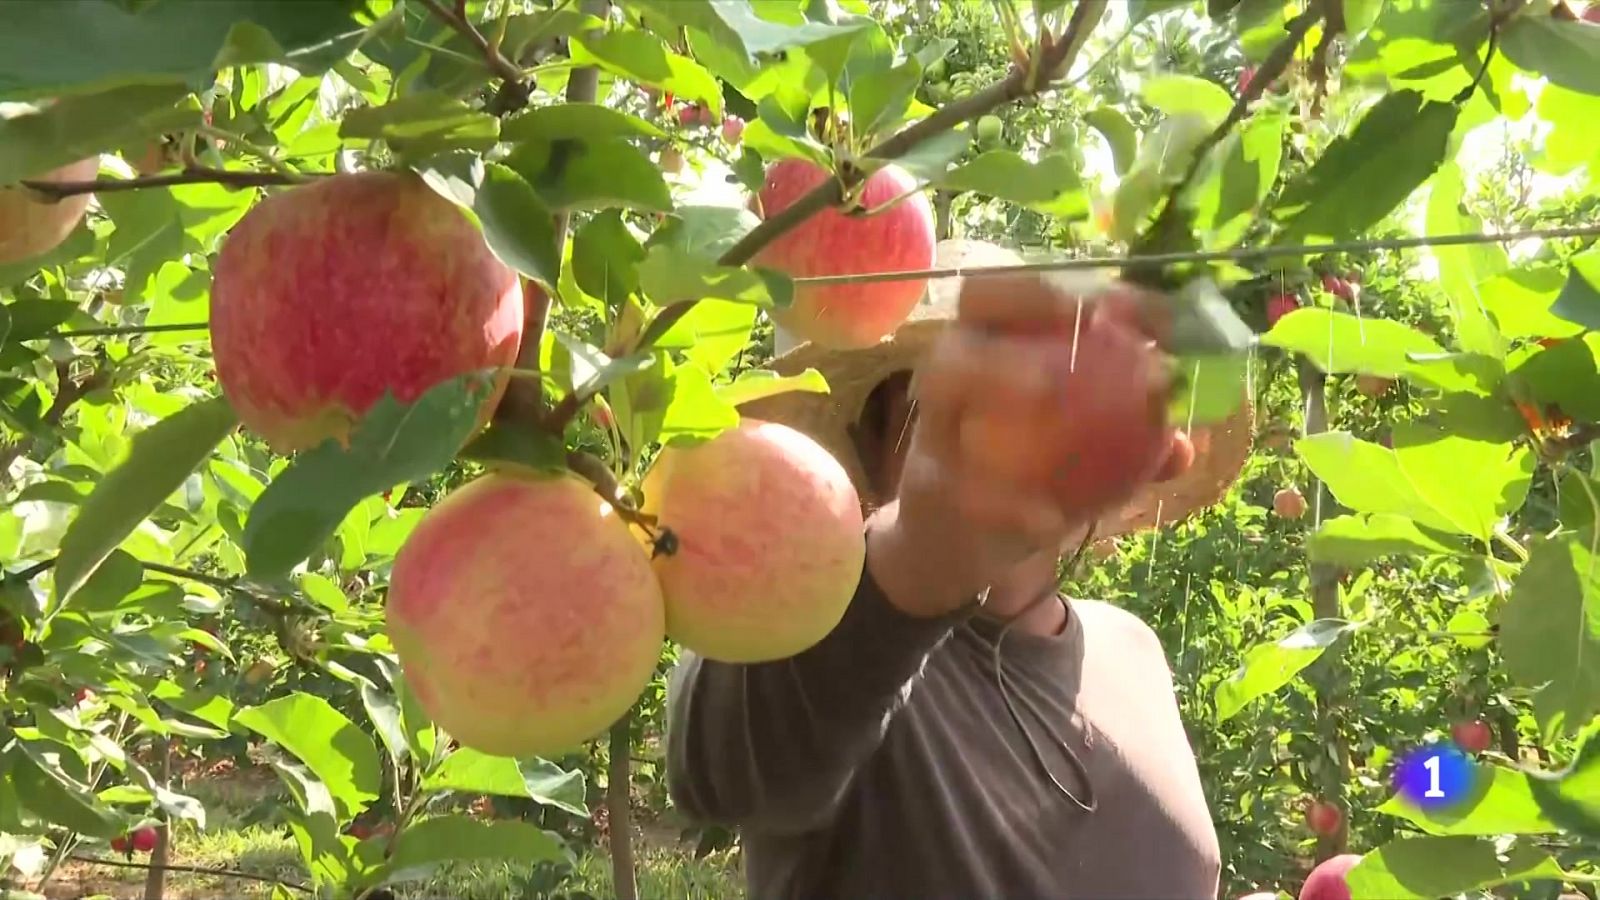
[[1221, 448]]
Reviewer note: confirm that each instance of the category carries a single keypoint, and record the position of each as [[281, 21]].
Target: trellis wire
[[1088, 262]]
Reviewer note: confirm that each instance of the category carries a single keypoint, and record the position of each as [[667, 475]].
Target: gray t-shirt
[[884, 762]]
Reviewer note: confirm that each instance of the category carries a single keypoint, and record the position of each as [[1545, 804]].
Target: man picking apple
[[967, 731]]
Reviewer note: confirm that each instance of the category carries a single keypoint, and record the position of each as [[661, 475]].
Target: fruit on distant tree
[[525, 614], [1373, 385], [1472, 735], [989, 128], [768, 542], [1326, 881], [1118, 436], [82, 695], [671, 160], [1289, 503], [1280, 305], [144, 839], [732, 130], [121, 844], [1339, 287], [1323, 818], [31, 225], [333, 293], [831, 242]]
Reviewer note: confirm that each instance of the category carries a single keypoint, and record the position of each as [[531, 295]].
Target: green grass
[[242, 835]]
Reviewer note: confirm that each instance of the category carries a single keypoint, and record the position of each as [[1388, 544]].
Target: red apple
[[732, 130], [82, 696], [901, 238], [329, 295], [31, 226], [1324, 818], [144, 839], [1339, 287], [1280, 305], [121, 844], [1473, 736], [1288, 503], [1326, 881]]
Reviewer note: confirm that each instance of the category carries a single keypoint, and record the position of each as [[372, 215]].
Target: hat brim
[[1221, 448]]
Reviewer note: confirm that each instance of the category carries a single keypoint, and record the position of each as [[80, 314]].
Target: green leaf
[[1567, 53], [1550, 630], [602, 174], [1365, 174], [580, 121], [642, 57], [517, 225], [739, 26], [33, 319], [1119, 133], [159, 459], [340, 755], [1270, 666], [712, 333], [455, 839], [472, 772], [929, 160], [1338, 342], [423, 124], [1454, 484], [1520, 300], [881, 98], [756, 384], [669, 275], [1238, 176], [57, 797], [1051, 185], [383, 710], [1571, 797], [1565, 375], [392, 444], [1174, 93], [171, 42], [695, 412], [1579, 300], [1462, 270], [1425, 867], [707, 231], [1500, 802], [1359, 540], [605, 258]]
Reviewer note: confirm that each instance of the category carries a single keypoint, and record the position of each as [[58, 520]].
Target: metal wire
[[1161, 259]]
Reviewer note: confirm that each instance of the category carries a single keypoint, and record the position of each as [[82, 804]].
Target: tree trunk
[[155, 879], [619, 818]]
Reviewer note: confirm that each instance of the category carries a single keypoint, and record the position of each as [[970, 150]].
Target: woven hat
[[1221, 448]]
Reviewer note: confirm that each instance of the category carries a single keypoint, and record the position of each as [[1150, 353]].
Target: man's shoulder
[[1104, 621]]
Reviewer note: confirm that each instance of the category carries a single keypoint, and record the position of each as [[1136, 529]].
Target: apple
[[732, 130], [1591, 14], [1288, 503], [31, 226], [1323, 818], [329, 295], [1373, 386], [525, 613], [1326, 881], [671, 160], [1339, 287], [121, 844], [989, 128], [1473, 736], [144, 839], [900, 238], [82, 696], [769, 542], [1280, 305]]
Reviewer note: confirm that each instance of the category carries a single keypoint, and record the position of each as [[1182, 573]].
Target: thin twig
[[1018, 83], [1157, 235], [31, 572], [114, 330], [514, 96], [197, 870], [57, 190]]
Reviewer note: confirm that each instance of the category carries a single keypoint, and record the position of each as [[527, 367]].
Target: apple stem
[[53, 191]]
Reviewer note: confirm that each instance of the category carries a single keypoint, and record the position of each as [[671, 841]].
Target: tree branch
[[198, 870], [1052, 58], [57, 190], [514, 94], [1158, 236]]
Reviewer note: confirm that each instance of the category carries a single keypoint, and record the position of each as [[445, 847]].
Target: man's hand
[[1039, 409]]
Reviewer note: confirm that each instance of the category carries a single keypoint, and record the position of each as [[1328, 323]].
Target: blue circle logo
[[1435, 776]]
